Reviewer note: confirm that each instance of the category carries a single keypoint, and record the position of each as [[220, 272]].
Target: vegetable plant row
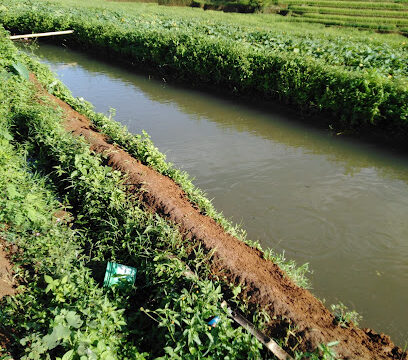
[[369, 5], [360, 84], [59, 311], [347, 11], [356, 20], [349, 21], [378, 15]]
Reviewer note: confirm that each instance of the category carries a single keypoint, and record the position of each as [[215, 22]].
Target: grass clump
[[344, 316]]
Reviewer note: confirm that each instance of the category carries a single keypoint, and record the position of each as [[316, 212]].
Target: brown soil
[[7, 287], [265, 283], [7, 282], [62, 216]]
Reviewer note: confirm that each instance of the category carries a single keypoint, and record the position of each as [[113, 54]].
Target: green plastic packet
[[119, 274]]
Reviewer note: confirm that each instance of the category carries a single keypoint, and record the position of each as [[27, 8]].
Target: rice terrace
[[120, 120]]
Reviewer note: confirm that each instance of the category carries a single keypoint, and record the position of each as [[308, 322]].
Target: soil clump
[[263, 282]]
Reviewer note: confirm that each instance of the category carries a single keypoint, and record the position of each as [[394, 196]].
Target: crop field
[[384, 16], [380, 15], [78, 190], [360, 79]]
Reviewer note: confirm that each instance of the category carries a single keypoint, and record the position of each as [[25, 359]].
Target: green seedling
[[345, 317]]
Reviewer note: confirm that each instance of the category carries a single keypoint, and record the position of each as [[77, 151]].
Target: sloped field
[[378, 15]]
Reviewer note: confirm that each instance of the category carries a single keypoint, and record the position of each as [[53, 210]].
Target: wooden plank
[[65, 32], [269, 343]]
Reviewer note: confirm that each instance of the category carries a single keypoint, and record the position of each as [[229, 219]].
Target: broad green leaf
[[73, 319], [6, 135], [61, 332], [68, 355], [333, 343], [196, 339], [48, 279], [20, 69], [50, 341]]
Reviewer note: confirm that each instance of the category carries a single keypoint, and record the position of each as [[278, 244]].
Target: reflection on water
[[338, 204]]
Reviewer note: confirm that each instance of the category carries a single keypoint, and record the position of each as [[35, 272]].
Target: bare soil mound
[[264, 282]]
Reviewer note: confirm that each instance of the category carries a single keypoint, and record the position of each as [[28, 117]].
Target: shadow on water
[[337, 202]]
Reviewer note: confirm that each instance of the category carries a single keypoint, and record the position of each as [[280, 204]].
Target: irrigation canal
[[340, 205]]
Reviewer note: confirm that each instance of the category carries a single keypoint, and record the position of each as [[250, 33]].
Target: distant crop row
[[353, 23], [359, 81], [348, 4], [367, 20], [349, 12], [377, 15], [378, 23], [373, 1]]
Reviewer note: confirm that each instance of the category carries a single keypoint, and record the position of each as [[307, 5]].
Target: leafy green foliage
[[59, 311], [20, 69], [323, 352], [360, 82]]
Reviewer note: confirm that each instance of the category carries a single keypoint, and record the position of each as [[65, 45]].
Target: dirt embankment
[[7, 287], [7, 282], [265, 283]]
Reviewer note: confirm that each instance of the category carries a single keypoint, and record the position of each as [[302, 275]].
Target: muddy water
[[338, 204]]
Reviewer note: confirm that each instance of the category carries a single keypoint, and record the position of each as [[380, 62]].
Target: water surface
[[338, 204]]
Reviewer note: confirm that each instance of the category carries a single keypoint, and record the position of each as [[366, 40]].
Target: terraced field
[[385, 15]]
